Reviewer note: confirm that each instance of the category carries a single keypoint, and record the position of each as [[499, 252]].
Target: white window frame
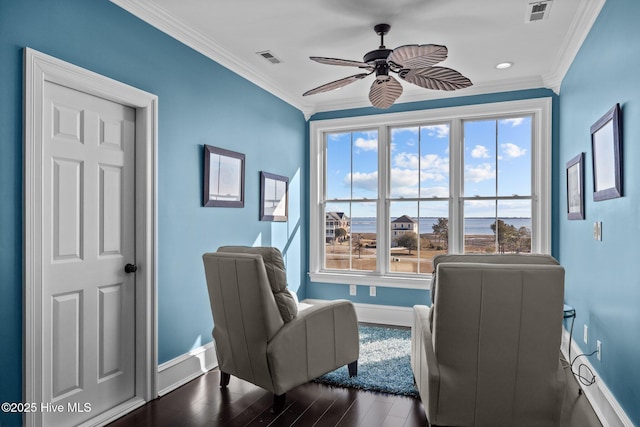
[[539, 109]]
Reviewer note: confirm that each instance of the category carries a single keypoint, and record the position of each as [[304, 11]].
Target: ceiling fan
[[413, 63]]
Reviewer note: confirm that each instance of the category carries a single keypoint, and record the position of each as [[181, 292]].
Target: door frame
[[38, 69]]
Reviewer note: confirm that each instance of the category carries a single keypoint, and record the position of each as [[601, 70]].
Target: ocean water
[[471, 225]]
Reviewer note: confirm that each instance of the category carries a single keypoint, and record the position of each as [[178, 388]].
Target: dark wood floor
[[201, 402]]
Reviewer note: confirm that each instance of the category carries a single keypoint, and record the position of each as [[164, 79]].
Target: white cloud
[[440, 131], [479, 173], [512, 150], [428, 163], [513, 122], [404, 183], [367, 181], [413, 130], [406, 160], [403, 178], [367, 144], [480, 152], [336, 136], [411, 189], [434, 192], [407, 192], [432, 176], [479, 208]]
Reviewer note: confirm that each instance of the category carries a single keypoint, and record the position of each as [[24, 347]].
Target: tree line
[[509, 238]]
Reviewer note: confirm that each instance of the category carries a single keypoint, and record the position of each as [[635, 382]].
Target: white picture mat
[[573, 185], [225, 178], [275, 197], [604, 158]]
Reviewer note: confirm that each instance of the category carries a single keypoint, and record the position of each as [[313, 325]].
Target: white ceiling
[[478, 33]]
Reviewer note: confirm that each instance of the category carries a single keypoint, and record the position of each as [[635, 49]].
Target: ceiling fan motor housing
[[376, 56]]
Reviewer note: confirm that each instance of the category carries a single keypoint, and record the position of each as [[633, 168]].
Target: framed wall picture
[[606, 147], [274, 197], [575, 187], [223, 178]]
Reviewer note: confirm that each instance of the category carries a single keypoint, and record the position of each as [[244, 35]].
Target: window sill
[[388, 281]]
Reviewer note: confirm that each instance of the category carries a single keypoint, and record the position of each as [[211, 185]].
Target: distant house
[[402, 225], [333, 221]]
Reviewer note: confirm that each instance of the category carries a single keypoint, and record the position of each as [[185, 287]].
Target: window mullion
[[497, 232], [456, 183], [351, 200], [384, 173], [318, 188]]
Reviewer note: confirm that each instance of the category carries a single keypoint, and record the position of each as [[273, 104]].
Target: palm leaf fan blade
[[418, 55], [336, 84], [384, 92], [437, 78], [343, 62]]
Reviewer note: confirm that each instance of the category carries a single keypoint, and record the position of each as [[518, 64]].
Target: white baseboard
[[604, 404], [182, 369], [379, 314]]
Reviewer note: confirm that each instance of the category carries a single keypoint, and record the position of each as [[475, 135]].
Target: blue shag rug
[[384, 364]]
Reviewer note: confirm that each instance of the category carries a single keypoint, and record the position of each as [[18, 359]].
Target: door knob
[[130, 268]]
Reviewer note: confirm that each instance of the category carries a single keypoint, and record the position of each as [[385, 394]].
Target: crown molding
[[157, 17], [152, 14], [588, 12]]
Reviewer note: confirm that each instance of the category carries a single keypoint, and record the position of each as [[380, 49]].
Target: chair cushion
[[274, 264]]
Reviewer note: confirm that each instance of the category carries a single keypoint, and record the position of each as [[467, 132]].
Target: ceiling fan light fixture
[[504, 65], [412, 63]]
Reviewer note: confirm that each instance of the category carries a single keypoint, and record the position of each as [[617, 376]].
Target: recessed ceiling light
[[504, 65]]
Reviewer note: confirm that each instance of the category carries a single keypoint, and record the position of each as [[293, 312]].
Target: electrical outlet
[[586, 334], [372, 291], [599, 350], [352, 290]]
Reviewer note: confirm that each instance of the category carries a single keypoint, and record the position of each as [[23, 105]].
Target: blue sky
[[497, 161]]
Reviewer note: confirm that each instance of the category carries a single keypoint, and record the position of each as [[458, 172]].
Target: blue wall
[[410, 297], [603, 278], [200, 103]]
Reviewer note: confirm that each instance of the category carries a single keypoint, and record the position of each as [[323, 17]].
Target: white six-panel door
[[88, 299], [90, 352]]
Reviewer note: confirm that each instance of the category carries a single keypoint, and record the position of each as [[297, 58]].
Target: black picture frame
[[606, 149], [223, 178], [575, 187], [274, 197]]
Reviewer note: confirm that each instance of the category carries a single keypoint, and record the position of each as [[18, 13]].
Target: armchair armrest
[[320, 339], [426, 370]]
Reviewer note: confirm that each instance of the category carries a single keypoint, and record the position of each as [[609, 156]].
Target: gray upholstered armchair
[[487, 352], [259, 334]]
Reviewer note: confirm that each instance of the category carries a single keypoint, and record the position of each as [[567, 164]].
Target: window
[[497, 185], [389, 192]]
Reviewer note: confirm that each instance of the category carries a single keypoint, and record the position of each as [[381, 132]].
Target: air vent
[[269, 57], [538, 11]]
